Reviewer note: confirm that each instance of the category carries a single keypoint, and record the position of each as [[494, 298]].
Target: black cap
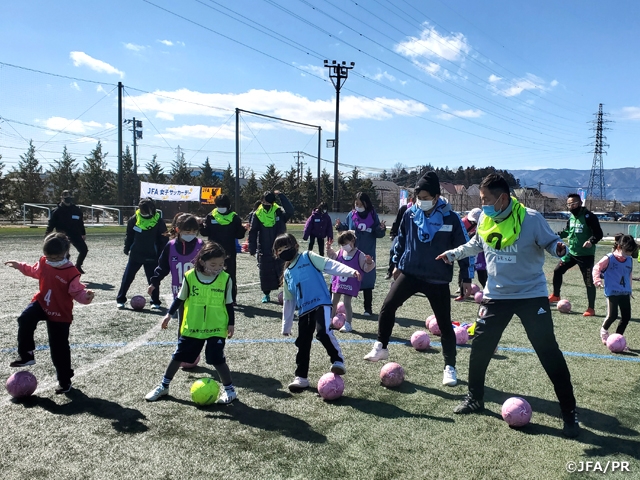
[[430, 183]]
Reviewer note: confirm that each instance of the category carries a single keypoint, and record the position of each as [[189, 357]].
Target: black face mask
[[287, 255], [266, 207], [67, 200], [575, 211]]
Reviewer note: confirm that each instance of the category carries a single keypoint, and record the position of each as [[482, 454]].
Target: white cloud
[[100, 89], [182, 44], [75, 86], [170, 105], [134, 47], [168, 43], [165, 116], [518, 85], [318, 70], [72, 126], [630, 113], [451, 114], [387, 76], [431, 44], [82, 59]]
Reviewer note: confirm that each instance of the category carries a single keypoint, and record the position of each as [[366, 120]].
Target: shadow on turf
[[250, 311], [123, 419], [382, 409], [269, 420], [602, 445], [100, 286]]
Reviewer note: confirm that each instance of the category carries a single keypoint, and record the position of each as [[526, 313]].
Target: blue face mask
[[490, 210]]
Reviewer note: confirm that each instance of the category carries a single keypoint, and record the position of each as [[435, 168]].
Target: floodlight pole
[[338, 73]]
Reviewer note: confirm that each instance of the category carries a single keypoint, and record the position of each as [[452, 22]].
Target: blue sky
[[507, 83]]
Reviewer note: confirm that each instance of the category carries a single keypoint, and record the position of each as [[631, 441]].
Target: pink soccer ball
[[280, 298], [478, 297], [330, 386], [191, 365], [462, 335], [138, 302], [340, 308], [420, 340], [616, 343], [564, 306], [432, 325], [338, 321], [516, 411], [391, 375], [474, 289], [21, 384]]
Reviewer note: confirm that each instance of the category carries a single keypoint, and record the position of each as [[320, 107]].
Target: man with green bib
[[269, 220], [224, 226], [583, 232], [514, 239]]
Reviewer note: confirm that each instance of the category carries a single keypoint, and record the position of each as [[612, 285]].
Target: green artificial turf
[[105, 429]]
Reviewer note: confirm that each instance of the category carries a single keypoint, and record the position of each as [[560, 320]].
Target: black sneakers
[[63, 389], [571, 427], [23, 361], [469, 405]]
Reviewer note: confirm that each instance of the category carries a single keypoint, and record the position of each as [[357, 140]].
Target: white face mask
[[213, 272], [187, 238], [347, 248], [426, 205], [359, 209], [60, 263], [222, 210]]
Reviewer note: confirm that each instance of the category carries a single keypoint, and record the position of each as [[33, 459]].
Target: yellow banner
[[209, 194]]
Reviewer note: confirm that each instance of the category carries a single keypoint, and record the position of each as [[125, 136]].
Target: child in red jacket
[[59, 286]]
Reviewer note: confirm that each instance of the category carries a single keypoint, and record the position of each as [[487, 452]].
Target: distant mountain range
[[621, 184]]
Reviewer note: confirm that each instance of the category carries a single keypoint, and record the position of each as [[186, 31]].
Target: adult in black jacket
[[224, 226], [143, 244], [269, 220], [67, 218], [393, 233]]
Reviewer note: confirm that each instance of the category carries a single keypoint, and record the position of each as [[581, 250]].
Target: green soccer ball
[[205, 391]]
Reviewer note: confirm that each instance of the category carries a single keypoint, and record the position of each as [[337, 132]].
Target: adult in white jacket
[[513, 239]]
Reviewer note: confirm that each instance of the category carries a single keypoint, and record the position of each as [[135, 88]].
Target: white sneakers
[[298, 384], [338, 368], [227, 395], [450, 379], [377, 353], [604, 334], [120, 305], [155, 394], [347, 328]]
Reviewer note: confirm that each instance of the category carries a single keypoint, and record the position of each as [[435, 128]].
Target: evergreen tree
[[64, 175], [326, 188], [130, 181], [228, 184], [384, 176], [180, 173], [309, 193], [27, 185], [156, 172], [353, 184], [292, 190], [3, 193], [96, 179], [207, 177], [249, 194], [272, 179]]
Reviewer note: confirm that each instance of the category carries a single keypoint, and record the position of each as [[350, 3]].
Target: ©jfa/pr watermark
[[601, 467]]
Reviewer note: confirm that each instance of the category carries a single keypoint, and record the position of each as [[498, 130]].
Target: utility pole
[[299, 165], [120, 183], [137, 135], [338, 73], [596, 180]]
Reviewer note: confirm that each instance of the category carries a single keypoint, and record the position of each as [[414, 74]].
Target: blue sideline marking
[[620, 358]]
